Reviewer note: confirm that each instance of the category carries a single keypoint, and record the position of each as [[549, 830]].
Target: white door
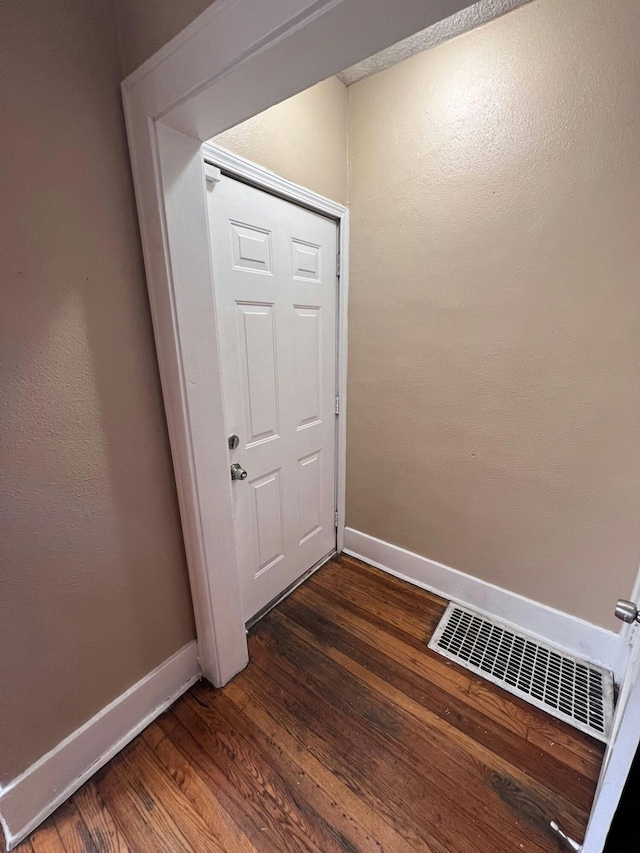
[[621, 750], [275, 282]]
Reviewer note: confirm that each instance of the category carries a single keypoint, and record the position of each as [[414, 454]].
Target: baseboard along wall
[[35, 794], [576, 636]]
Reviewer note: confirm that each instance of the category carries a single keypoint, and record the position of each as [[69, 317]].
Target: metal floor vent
[[572, 690]]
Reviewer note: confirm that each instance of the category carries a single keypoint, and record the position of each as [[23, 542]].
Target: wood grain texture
[[47, 839], [98, 820], [345, 734]]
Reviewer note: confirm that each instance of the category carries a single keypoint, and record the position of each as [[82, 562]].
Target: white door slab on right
[[625, 735]]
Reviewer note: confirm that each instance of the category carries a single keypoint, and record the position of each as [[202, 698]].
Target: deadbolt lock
[[234, 441]]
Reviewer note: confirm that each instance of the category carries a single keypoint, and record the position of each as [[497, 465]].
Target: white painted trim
[[575, 636], [36, 793], [623, 744], [343, 353], [215, 156], [270, 181], [618, 760], [237, 58]]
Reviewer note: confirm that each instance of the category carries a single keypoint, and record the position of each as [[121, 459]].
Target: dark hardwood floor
[[344, 733]]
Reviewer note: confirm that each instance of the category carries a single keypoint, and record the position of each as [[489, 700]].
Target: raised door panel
[[310, 495], [307, 364], [251, 248], [268, 521], [257, 335], [306, 260]]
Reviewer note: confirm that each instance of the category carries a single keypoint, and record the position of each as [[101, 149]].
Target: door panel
[[310, 495], [306, 261], [307, 364], [256, 332], [276, 294], [268, 520], [251, 248]]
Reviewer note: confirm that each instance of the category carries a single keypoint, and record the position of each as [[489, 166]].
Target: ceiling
[[461, 22]]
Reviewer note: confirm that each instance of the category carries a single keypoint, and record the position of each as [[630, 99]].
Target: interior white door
[[621, 750], [275, 282]]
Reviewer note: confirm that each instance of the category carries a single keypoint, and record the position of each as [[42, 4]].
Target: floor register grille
[[570, 689]]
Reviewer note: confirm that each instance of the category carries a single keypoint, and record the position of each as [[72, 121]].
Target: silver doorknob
[[238, 472], [627, 611]]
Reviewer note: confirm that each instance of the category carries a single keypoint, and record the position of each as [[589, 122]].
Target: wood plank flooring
[[345, 734]]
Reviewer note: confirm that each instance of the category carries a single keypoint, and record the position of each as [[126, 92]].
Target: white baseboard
[[574, 635], [35, 794]]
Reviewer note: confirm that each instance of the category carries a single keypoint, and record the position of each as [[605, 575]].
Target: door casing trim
[[235, 60]]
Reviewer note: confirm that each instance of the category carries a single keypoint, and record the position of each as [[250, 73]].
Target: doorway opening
[[180, 121]]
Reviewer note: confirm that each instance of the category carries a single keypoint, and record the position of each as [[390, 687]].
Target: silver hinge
[[335, 518], [338, 264], [337, 405]]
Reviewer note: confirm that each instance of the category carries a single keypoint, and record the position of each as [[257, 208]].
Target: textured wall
[[93, 585], [466, 19], [494, 370], [147, 25], [303, 139]]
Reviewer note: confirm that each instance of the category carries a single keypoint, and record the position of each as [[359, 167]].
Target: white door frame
[[263, 179], [238, 58]]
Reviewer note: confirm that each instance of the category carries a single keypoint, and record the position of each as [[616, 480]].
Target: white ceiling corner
[[463, 21]]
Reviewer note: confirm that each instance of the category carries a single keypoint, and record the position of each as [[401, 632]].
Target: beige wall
[[147, 25], [303, 139], [93, 586], [494, 373], [494, 370]]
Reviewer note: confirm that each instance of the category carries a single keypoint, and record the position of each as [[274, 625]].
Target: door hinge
[[335, 518], [338, 264], [337, 405]]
